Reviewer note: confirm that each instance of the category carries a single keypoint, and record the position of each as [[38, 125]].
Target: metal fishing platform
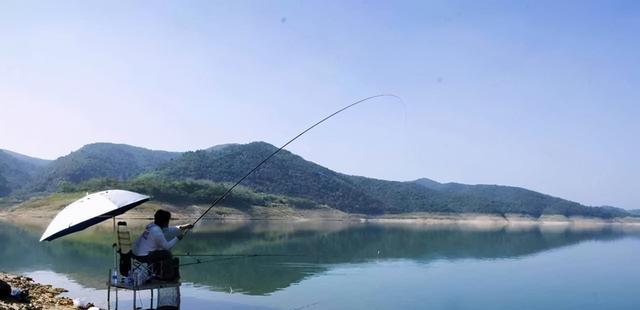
[[162, 289], [167, 293]]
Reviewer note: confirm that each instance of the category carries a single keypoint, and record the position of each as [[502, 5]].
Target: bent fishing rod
[[228, 191]]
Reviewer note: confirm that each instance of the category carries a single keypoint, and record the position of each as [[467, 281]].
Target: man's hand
[[185, 227]]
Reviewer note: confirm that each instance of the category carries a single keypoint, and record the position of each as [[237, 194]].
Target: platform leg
[[134, 300]]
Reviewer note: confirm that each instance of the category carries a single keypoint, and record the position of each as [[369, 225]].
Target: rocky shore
[[41, 296]]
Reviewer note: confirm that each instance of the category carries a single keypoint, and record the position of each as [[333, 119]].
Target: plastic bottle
[[114, 278], [15, 292]]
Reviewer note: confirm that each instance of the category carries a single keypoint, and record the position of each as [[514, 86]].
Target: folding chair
[[129, 262]]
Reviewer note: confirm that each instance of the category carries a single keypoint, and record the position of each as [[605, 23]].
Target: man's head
[[162, 218]]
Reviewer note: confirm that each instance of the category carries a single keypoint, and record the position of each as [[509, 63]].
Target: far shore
[[40, 211]]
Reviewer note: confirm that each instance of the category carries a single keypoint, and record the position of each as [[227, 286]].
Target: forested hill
[[291, 175], [200, 176], [509, 199], [16, 170], [285, 174], [98, 160]]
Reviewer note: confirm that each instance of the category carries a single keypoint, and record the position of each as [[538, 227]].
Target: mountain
[[17, 169], [100, 160], [509, 199], [33, 161], [200, 176], [291, 175], [285, 174], [428, 183]]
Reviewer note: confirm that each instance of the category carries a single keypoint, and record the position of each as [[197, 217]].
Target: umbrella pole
[[115, 260], [115, 244]]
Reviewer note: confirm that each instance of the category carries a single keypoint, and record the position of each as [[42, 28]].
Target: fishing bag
[[5, 290], [125, 263], [15, 294], [168, 269]]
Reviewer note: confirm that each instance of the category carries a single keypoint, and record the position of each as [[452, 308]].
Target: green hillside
[[287, 179], [99, 160], [285, 174], [509, 199], [291, 175], [16, 170], [400, 197], [33, 161]]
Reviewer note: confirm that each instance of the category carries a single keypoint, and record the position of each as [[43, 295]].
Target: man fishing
[[155, 243]]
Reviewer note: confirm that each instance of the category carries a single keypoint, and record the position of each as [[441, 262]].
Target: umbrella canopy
[[90, 210]]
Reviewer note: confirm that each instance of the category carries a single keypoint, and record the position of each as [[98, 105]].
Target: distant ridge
[[27, 159], [99, 160], [428, 183], [185, 175], [17, 170]]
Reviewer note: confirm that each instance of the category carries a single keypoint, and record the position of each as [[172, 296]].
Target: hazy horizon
[[541, 95]]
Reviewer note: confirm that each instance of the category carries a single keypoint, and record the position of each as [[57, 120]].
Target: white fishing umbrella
[[90, 210]]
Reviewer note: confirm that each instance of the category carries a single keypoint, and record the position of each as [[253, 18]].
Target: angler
[[155, 243]]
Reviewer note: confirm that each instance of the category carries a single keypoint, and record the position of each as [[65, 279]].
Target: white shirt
[[153, 239]]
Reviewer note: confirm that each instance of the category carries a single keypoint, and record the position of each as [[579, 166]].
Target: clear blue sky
[[539, 94]]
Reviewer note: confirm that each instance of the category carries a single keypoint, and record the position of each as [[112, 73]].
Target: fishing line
[[198, 261], [229, 257], [226, 193], [238, 255]]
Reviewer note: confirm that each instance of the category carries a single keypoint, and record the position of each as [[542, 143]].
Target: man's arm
[[176, 231], [161, 241]]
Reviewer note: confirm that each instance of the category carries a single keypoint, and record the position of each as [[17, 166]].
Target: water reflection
[[318, 246]]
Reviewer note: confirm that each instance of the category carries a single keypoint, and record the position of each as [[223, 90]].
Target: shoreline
[[43, 209], [276, 214]]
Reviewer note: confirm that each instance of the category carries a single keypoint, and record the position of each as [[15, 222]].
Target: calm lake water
[[361, 266]]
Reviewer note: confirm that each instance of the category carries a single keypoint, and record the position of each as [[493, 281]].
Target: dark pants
[[164, 265], [155, 256]]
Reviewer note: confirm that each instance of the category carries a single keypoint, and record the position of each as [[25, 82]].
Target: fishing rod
[[226, 193]]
